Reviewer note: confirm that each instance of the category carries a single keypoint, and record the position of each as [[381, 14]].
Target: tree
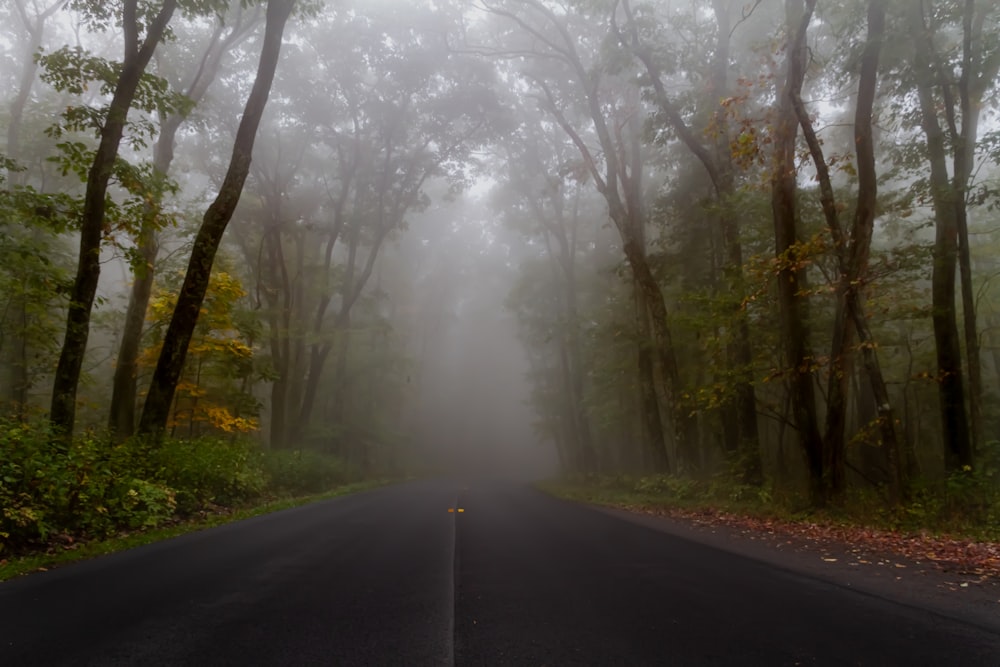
[[533, 196], [385, 112], [144, 27], [34, 26], [799, 361], [618, 175], [852, 249], [33, 266], [121, 420], [936, 90], [210, 392], [743, 440], [156, 409]]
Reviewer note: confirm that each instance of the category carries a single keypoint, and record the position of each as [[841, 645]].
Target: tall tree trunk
[[791, 302], [62, 412], [861, 236], [951, 391], [581, 420], [633, 216], [739, 349], [654, 440], [617, 184], [320, 350], [852, 250], [278, 317], [192, 294], [563, 267], [296, 343], [350, 291], [121, 417], [354, 284], [344, 445], [977, 73], [719, 169], [616, 160]]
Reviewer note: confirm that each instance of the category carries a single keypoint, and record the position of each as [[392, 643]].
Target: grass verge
[[951, 529], [963, 510], [56, 556]]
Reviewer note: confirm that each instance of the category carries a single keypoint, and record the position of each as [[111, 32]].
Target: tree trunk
[[654, 441], [192, 294], [620, 184], [951, 391], [852, 252], [563, 266], [121, 418], [62, 412], [338, 413], [20, 382], [354, 284], [861, 236], [976, 75], [319, 351], [296, 341], [585, 440], [35, 31], [791, 303], [719, 169], [278, 296]]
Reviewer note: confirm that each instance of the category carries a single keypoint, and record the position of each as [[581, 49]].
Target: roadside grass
[[62, 501], [961, 507], [663, 493], [951, 526], [57, 555]]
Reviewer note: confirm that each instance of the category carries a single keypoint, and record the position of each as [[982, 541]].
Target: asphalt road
[[391, 577]]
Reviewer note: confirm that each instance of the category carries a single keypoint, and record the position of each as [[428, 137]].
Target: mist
[[499, 332], [524, 239], [472, 413]]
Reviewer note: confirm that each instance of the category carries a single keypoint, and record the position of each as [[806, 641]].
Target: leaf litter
[[861, 546]]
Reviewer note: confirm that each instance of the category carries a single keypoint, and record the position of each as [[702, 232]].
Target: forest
[[256, 248]]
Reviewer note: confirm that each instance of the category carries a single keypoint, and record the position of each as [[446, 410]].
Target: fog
[[519, 238], [417, 283], [472, 412]]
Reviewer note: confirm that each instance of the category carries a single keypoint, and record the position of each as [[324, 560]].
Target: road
[[391, 577]]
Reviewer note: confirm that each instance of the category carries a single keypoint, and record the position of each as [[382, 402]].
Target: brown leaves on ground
[[861, 545]]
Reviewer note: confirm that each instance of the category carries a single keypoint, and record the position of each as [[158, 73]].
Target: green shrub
[[93, 488], [47, 489], [24, 469], [304, 471], [209, 471], [142, 504], [677, 488]]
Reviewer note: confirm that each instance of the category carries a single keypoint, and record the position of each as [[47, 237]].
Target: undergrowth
[[965, 504], [92, 489]]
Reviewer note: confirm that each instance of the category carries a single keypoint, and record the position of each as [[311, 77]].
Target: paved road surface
[[390, 577]]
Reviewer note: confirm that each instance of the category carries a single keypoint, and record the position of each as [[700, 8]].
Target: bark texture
[[792, 303], [121, 416], [156, 410], [947, 341], [62, 412]]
